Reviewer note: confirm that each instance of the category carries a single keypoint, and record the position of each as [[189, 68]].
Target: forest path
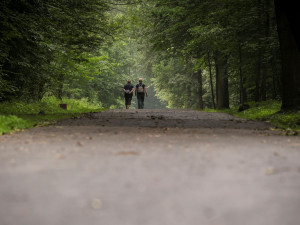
[[150, 167]]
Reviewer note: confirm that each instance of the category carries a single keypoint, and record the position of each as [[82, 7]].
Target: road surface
[[150, 167]]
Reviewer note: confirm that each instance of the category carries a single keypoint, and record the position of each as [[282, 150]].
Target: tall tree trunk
[[200, 89], [258, 76], [188, 102], [266, 27], [263, 86], [221, 81], [242, 88], [59, 93], [211, 81], [189, 96], [257, 93], [274, 75], [274, 95], [289, 37]]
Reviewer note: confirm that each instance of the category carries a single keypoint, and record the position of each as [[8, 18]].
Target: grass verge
[[268, 111], [15, 116]]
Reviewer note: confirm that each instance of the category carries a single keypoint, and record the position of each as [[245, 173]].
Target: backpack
[[140, 88]]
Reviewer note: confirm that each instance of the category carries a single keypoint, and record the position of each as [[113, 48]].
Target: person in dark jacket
[[140, 92], [128, 93]]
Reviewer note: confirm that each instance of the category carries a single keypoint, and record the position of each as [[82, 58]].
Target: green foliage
[[48, 105], [19, 115], [268, 111], [88, 49], [241, 31], [258, 111], [287, 120], [170, 81], [9, 123], [42, 41]]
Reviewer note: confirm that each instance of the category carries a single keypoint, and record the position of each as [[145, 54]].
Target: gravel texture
[[150, 167]]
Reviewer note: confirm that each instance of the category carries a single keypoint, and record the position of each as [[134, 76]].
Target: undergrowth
[[19, 115], [268, 111]]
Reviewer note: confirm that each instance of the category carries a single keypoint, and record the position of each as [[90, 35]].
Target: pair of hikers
[[140, 91]]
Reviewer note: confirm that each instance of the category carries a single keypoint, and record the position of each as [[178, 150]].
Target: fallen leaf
[[60, 156], [270, 171], [96, 204], [127, 153]]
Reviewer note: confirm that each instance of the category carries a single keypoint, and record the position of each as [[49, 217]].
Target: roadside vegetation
[[16, 116], [269, 111]]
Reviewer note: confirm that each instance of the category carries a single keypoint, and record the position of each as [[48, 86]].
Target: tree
[[288, 30], [42, 40], [198, 49], [221, 80]]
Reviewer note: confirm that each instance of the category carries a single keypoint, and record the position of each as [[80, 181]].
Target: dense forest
[[191, 53]]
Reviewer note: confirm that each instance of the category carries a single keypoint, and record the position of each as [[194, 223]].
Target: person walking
[[128, 93], [140, 92]]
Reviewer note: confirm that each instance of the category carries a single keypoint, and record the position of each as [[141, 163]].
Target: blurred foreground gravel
[[150, 167]]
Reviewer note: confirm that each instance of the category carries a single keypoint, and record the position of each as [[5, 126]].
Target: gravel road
[[150, 167]]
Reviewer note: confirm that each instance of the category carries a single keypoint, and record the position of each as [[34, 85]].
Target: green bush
[[9, 123], [48, 105], [20, 115], [268, 111]]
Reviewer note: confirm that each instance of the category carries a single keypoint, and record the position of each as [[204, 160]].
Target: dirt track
[[150, 167]]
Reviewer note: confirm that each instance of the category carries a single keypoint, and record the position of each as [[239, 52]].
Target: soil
[[150, 167]]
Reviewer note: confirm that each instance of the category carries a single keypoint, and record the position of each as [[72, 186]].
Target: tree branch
[[126, 3]]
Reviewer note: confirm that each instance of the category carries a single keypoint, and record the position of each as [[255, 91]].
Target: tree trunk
[[258, 75], [59, 93], [257, 93], [211, 81], [200, 89], [242, 89], [288, 30], [274, 75], [263, 86], [221, 81], [266, 27], [189, 96]]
